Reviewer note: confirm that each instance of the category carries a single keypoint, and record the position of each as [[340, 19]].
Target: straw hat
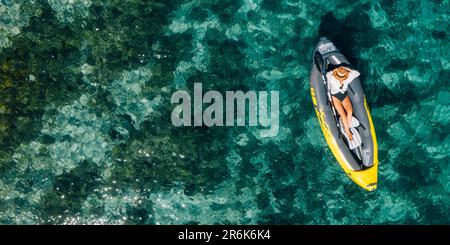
[[341, 72]]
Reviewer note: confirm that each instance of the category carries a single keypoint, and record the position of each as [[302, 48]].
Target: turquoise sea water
[[85, 132]]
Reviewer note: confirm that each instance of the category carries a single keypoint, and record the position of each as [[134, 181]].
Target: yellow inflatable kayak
[[358, 157]]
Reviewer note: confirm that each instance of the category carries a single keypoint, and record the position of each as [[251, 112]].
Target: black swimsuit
[[340, 96]]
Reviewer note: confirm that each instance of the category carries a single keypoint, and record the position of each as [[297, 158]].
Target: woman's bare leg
[[348, 109], [339, 107]]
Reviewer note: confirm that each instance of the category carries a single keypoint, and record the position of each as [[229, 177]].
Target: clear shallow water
[[85, 132]]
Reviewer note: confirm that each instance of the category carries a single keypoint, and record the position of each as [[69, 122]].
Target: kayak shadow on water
[[350, 34]]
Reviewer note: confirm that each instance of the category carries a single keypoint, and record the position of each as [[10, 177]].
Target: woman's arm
[[353, 74]]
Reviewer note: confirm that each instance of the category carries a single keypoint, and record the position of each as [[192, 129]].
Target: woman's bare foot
[[350, 135]]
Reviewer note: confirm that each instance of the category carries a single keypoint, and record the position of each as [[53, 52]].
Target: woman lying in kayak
[[339, 78]]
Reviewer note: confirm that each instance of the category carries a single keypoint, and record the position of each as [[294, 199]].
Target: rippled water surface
[[85, 132]]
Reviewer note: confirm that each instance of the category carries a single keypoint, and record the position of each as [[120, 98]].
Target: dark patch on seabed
[[85, 132]]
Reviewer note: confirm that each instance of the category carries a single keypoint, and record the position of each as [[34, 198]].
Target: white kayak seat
[[356, 142], [354, 123]]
